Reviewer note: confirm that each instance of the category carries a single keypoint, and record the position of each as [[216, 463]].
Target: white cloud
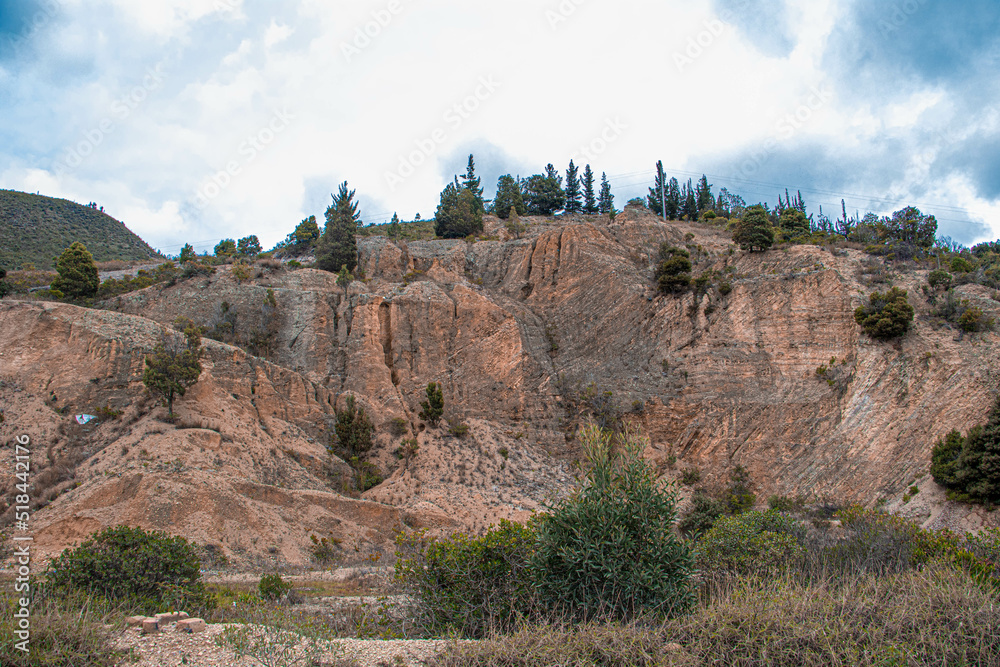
[[358, 113], [275, 34]]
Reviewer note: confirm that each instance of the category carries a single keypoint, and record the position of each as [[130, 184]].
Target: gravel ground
[[170, 648]]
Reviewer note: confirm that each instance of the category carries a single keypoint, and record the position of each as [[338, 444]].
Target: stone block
[[150, 626], [135, 621], [191, 625]]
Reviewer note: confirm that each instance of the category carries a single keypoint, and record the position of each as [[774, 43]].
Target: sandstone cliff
[[514, 330]]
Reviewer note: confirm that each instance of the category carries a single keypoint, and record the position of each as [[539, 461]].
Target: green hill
[[35, 228]]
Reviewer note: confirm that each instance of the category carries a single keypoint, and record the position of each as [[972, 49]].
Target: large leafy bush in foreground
[[151, 570], [609, 549]]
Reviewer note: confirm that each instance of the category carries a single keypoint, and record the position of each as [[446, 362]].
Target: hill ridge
[[35, 228]]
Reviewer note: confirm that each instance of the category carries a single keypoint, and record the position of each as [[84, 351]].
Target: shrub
[[458, 429], [469, 585], [973, 320], [241, 272], [960, 265], [886, 316], [725, 288], [939, 279], [433, 407], [78, 277], [610, 548], [324, 549], [690, 476], [703, 513], [149, 569], [398, 426], [969, 466], [354, 431], [673, 274], [740, 497], [366, 475], [751, 542], [272, 587]]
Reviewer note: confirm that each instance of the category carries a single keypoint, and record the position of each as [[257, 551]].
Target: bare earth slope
[[513, 329]]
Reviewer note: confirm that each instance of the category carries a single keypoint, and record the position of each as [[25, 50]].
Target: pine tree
[[550, 172], [606, 200], [689, 206], [673, 199], [248, 247], [754, 231], [543, 195], [354, 431], [433, 407], [657, 194], [225, 248], [394, 228], [703, 195], [508, 198], [187, 254], [78, 276], [471, 182], [173, 368], [457, 213], [573, 193], [338, 246], [589, 200], [304, 237]]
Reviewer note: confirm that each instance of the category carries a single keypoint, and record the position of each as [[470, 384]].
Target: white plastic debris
[[83, 419]]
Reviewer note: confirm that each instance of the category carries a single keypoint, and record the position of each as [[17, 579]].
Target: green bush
[[354, 432], [78, 277], [149, 569], [969, 466], [272, 587], [702, 515], [751, 542], [469, 585], [886, 316], [960, 265], [673, 273], [939, 279], [433, 407], [973, 319], [609, 549], [398, 427]]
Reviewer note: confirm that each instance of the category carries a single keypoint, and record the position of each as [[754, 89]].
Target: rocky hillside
[[35, 228], [516, 331]]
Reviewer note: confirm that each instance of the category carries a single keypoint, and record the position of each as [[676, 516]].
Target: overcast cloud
[[195, 120]]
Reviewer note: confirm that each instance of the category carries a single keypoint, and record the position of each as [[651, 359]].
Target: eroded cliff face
[[513, 329]]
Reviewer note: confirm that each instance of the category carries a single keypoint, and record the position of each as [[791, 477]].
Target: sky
[[197, 120]]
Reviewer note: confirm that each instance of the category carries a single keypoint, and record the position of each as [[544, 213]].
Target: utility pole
[[663, 198]]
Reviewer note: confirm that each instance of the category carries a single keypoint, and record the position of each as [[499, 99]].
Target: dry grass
[[937, 616]]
